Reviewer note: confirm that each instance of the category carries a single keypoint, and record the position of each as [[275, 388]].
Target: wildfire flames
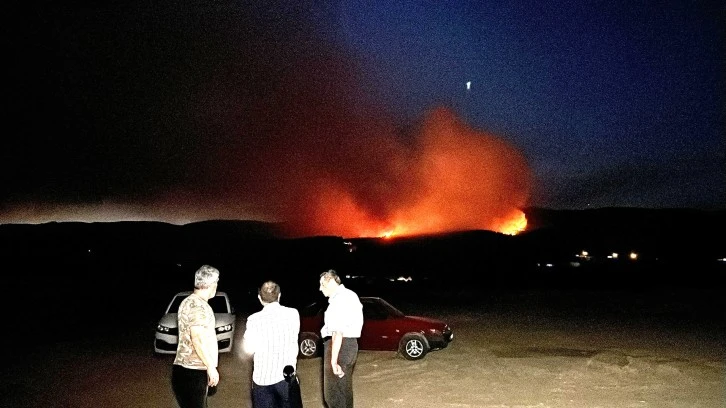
[[452, 178]]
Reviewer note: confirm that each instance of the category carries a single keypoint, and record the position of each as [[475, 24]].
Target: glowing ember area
[[452, 178], [514, 225]]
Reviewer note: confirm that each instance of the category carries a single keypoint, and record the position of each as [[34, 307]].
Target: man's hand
[[338, 370], [212, 376]]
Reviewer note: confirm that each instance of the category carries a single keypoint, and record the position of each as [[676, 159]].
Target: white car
[[167, 332]]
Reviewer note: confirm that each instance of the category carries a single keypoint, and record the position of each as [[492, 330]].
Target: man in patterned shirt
[[195, 365], [271, 336]]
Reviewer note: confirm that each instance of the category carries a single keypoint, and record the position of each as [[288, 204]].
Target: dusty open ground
[[518, 350]]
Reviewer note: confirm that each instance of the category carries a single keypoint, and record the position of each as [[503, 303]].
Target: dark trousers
[[189, 386], [271, 396], [338, 392]]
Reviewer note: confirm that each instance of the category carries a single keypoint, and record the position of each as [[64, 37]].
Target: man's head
[[269, 292], [206, 278], [329, 282]]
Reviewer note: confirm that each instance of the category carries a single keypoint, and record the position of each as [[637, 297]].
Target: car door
[[379, 331]]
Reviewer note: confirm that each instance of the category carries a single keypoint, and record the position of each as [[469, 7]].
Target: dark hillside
[[674, 236], [677, 240], [73, 272]]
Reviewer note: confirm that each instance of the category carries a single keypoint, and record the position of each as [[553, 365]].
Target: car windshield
[[218, 303]]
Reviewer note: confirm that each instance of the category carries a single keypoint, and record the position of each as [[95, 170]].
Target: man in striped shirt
[[271, 336]]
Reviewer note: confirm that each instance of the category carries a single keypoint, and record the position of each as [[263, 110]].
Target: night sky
[[357, 117]]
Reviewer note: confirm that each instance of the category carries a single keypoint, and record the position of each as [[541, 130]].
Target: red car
[[384, 328]]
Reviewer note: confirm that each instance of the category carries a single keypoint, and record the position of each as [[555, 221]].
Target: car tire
[[309, 345], [413, 346]]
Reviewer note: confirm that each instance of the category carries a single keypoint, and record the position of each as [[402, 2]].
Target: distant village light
[[583, 254]]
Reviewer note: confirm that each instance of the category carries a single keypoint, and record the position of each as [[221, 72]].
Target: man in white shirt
[[341, 330], [271, 336]]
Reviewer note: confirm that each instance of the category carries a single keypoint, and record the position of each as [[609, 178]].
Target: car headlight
[[224, 329], [162, 329]]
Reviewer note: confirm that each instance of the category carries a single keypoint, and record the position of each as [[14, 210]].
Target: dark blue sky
[[214, 109], [613, 103]]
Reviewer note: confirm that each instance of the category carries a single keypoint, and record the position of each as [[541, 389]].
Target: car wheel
[[413, 346], [309, 345]]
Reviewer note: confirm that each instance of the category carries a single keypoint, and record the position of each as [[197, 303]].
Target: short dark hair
[[269, 292], [330, 274]]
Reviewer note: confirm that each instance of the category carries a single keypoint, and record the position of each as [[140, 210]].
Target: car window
[[374, 311], [315, 309], [390, 310]]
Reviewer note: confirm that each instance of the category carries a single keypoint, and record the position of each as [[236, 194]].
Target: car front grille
[[162, 345]]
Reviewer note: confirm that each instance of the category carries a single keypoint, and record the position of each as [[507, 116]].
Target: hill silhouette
[[663, 239]]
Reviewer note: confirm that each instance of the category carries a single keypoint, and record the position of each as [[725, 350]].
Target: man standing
[[271, 336], [195, 365], [341, 330]]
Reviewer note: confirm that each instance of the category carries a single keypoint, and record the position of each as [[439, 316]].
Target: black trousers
[[189, 386], [338, 392], [271, 396]]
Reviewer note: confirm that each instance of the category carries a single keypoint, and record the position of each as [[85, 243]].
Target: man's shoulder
[[278, 308], [350, 294], [294, 311], [255, 316], [289, 310], [189, 302]]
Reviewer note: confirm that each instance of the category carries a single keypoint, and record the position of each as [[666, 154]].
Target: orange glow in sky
[[453, 178]]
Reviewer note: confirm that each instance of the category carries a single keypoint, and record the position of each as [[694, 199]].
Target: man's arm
[[250, 337], [336, 341], [207, 352]]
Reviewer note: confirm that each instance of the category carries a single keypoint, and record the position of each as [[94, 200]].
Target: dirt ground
[[521, 351]]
